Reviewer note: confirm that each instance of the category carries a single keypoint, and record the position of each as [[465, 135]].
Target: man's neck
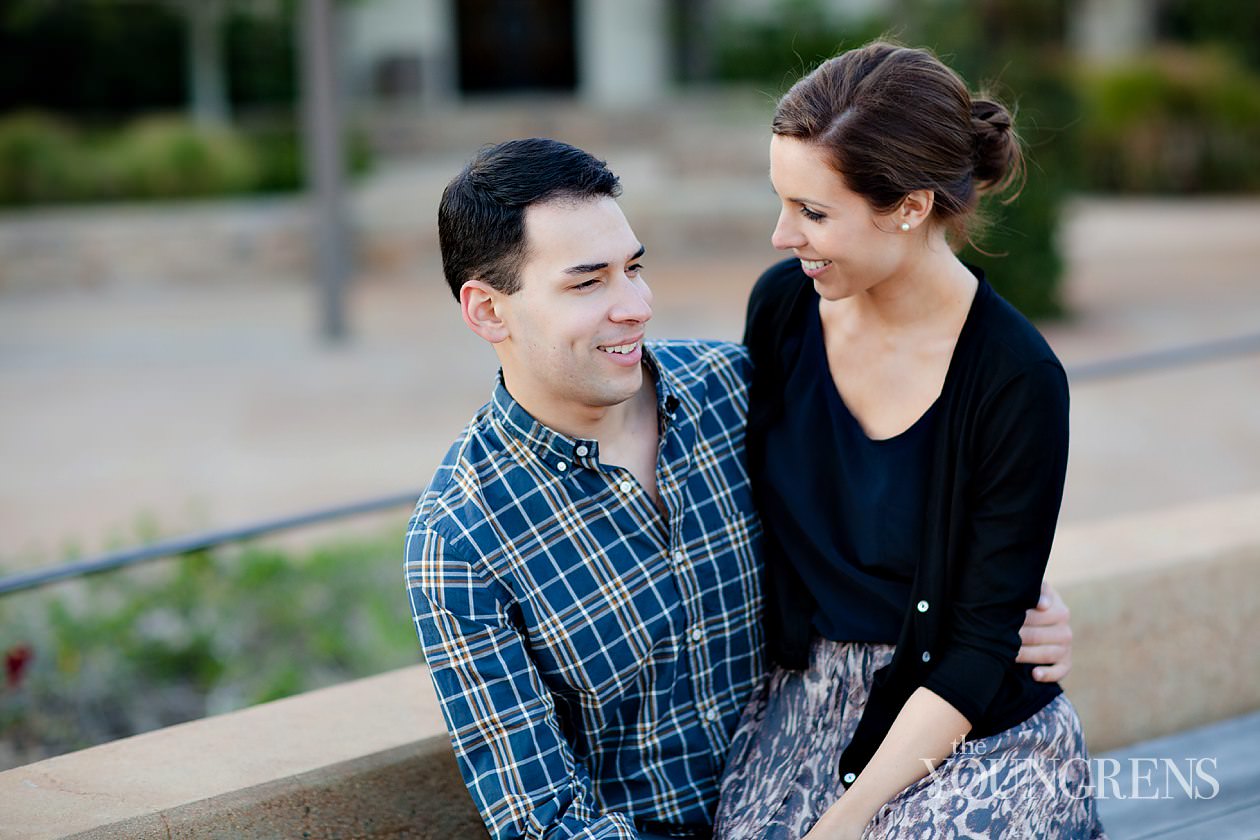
[[607, 424]]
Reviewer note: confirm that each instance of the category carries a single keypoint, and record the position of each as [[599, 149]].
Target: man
[[583, 567]]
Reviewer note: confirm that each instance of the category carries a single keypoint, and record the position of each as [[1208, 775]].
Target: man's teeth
[[814, 265], [621, 348]]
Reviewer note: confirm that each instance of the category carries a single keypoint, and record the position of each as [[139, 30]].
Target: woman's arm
[[924, 734]]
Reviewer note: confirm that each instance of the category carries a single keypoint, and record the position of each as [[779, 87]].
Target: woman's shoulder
[[1005, 340]]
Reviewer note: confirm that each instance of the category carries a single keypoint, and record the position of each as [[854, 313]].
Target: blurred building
[[420, 51], [606, 52]]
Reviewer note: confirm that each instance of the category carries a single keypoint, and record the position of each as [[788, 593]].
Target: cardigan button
[[927, 657], [923, 606], [850, 778]]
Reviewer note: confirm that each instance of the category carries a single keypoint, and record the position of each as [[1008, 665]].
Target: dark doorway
[[511, 45]]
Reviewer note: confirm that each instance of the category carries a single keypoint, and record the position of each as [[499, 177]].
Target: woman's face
[[842, 243]]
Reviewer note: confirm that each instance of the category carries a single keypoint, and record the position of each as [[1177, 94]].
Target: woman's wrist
[[844, 820]]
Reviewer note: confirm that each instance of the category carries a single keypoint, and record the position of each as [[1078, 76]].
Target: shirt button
[[711, 715], [927, 657], [850, 778], [923, 606], [582, 451], [562, 466], [679, 558], [696, 634], [626, 486]]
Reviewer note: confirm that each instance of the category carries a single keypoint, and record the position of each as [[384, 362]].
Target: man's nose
[[634, 303]]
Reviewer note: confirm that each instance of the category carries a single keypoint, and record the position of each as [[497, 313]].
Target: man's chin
[[609, 393]]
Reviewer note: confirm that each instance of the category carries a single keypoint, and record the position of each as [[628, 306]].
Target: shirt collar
[[555, 448]]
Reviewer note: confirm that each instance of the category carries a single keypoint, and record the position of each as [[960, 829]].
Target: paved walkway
[[168, 408]]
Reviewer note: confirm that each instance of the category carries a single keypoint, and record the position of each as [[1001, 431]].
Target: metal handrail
[[180, 546], [1135, 364], [1207, 351]]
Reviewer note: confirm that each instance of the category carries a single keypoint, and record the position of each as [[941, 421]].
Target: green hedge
[[1171, 122], [44, 159], [135, 650]]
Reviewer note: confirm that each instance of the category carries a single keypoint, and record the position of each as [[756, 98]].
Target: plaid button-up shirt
[[591, 654]]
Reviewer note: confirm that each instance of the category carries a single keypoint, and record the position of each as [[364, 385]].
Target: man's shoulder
[[694, 360], [455, 499]]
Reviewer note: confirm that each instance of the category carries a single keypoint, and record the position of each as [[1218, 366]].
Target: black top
[[998, 459], [848, 510]]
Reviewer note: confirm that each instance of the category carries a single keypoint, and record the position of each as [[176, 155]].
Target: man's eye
[[587, 284], [811, 215]]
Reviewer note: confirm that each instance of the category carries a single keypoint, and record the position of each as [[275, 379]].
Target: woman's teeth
[[621, 348], [814, 265]]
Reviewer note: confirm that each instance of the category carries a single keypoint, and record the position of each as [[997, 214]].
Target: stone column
[[623, 51]]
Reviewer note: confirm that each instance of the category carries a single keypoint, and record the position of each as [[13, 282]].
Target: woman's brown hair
[[893, 120]]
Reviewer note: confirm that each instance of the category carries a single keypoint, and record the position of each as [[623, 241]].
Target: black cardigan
[[995, 485]]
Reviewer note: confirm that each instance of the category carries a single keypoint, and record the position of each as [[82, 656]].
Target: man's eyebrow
[[590, 268]]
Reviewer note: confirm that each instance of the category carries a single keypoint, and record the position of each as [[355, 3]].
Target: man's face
[[576, 325]]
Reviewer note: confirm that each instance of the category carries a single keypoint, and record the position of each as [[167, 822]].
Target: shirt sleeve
[[507, 738], [1016, 490]]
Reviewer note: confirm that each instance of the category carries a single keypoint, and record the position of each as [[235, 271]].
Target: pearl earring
[[905, 227]]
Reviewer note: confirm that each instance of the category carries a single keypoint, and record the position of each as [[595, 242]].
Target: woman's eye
[[811, 215], [635, 269]]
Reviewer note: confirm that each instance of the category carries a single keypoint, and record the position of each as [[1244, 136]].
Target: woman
[[908, 442]]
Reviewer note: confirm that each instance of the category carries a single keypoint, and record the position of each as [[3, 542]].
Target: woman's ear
[[914, 210], [480, 304]]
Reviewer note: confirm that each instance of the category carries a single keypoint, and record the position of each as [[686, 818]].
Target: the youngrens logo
[[973, 774]]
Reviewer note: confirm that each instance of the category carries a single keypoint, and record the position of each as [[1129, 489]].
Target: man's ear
[[479, 305]]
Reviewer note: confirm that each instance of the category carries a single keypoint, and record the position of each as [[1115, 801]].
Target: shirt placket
[[688, 578]]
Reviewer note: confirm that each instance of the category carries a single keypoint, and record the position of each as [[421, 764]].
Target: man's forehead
[[579, 231]]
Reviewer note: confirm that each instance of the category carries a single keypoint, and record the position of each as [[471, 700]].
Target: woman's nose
[[786, 234]]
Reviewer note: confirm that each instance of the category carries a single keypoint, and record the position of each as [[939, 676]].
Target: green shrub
[[139, 649], [39, 160], [1172, 122], [45, 160], [167, 157]]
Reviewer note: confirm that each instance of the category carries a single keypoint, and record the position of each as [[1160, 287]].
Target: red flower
[[16, 659]]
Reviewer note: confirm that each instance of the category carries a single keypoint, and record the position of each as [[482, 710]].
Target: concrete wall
[[1164, 606]]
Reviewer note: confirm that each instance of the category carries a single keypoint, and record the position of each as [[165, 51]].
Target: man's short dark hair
[[481, 219]]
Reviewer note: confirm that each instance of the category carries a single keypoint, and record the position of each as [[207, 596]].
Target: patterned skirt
[[1030, 781]]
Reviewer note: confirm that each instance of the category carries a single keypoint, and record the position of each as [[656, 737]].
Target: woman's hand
[[837, 824], [1046, 637]]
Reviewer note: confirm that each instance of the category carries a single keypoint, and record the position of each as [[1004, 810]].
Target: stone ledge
[[1164, 610], [1164, 606], [368, 758]]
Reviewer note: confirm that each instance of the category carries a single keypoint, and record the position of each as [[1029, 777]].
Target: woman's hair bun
[[996, 155]]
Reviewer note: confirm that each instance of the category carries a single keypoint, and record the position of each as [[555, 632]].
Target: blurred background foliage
[[204, 634], [47, 159]]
